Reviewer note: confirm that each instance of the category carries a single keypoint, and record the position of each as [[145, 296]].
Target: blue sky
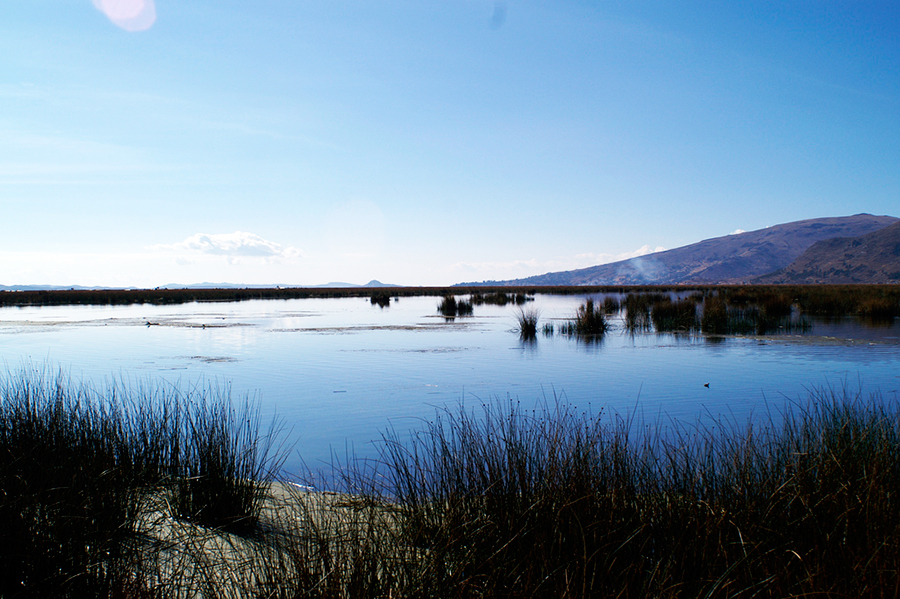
[[146, 142]]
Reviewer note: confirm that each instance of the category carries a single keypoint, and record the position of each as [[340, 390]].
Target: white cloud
[[737, 232], [234, 246]]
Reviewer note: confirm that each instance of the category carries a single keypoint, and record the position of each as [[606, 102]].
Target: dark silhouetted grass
[[561, 503], [499, 501], [500, 298], [78, 466], [527, 321], [611, 305], [223, 464], [380, 298], [670, 315], [450, 307], [589, 321], [637, 310]]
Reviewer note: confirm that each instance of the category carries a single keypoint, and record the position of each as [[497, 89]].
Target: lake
[[338, 372]]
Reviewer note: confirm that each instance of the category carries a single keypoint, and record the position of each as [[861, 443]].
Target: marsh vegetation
[[527, 320], [589, 321], [827, 301], [450, 307], [147, 492]]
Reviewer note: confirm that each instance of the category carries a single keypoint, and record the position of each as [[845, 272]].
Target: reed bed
[[589, 321], [562, 503], [495, 500], [380, 298], [450, 307], [500, 298], [670, 315], [833, 301], [637, 310], [78, 466]]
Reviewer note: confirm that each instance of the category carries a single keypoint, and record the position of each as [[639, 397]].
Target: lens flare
[[130, 15]]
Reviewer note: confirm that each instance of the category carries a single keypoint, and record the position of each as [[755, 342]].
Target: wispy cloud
[[234, 246]]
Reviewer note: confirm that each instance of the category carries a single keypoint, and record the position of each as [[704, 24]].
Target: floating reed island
[[150, 491]]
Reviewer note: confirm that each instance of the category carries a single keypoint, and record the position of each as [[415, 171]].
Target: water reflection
[[340, 370]]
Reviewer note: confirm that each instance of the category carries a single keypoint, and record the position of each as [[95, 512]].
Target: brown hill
[[871, 258], [728, 259]]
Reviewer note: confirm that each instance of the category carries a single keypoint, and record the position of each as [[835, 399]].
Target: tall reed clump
[[675, 315], [589, 321], [380, 298], [611, 305], [223, 463], [527, 321], [67, 491], [637, 310], [499, 298], [80, 467], [561, 503], [450, 307]]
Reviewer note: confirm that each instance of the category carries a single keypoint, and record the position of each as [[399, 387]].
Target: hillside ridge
[[736, 258]]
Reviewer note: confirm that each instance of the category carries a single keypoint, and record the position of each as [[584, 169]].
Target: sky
[[427, 142]]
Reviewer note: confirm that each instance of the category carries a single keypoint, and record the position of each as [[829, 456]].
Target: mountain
[[730, 259], [870, 258]]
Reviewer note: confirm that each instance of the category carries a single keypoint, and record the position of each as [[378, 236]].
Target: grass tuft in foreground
[[500, 501], [562, 503], [80, 465]]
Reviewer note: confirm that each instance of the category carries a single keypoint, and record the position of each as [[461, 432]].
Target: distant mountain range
[[850, 249]]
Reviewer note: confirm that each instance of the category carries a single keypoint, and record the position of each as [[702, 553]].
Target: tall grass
[[637, 310], [527, 322], [496, 501], [589, 321], [223, 463], [450, 307], [67, 491], [78, 466], [500, 298], [381, 298], [562, 503], [670, 315]]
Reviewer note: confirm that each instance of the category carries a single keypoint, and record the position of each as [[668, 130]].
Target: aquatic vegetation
[[637, 310], [450, 307], [500, 298], [589, 321], [527, 322], [380, 298], [562, 502], [670, 315], [611, 305], [876, 304], [500, 501]]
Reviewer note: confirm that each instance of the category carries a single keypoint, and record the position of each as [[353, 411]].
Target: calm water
[[339, 371]]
